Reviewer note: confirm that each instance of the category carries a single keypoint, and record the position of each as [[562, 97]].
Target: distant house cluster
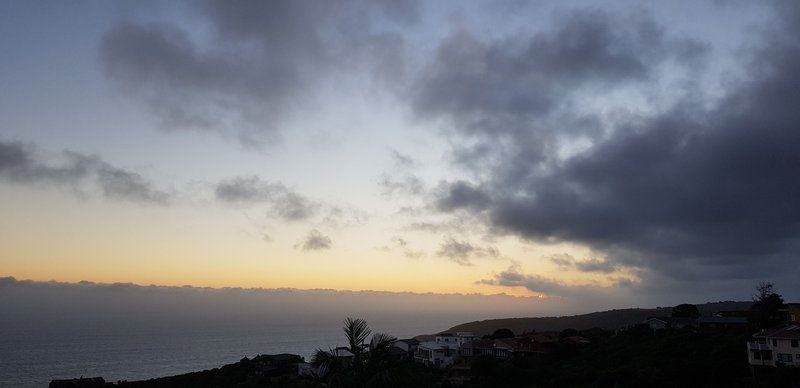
[[779, 346], [462, 347], [715, 322]]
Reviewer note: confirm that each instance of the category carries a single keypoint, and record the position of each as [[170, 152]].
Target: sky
[[581, 153]]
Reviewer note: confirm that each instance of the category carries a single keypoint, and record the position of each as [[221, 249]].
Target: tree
[[567, 333], [502, 333], [685, 310], [356, 331], [370, 363], [767, 305]]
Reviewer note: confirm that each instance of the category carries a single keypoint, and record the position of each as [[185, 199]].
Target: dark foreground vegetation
[[639, 357]]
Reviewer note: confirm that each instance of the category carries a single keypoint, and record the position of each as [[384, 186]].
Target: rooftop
[[788, 332]]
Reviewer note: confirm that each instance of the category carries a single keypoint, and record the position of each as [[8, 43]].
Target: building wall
[[775, 351]]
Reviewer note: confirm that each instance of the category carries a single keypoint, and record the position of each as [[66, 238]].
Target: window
[[774, 342], [794, 343], [797, 356], [767, 355], [756, 355]]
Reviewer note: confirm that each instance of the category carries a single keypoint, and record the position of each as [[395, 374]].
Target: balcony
[[752, 345]]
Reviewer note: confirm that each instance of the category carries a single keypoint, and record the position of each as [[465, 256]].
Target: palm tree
[[356, 331], [327, 363], [370, 362]]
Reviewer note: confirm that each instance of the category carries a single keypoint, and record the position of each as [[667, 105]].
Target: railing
[[757, 346]]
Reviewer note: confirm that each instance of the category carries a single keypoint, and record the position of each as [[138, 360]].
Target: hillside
[[609, 320]]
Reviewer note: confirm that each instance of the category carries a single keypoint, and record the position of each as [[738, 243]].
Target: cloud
[[28, 301], [406, 249], [258, 63], [122, 184], [508, 93], [461, 252], [460, 194], [20, 164], [403, 160], [691, 186], [406, 185], [315, 241], [344, 217], [284, 203], [514, 277], [566, 261], [247, 190]]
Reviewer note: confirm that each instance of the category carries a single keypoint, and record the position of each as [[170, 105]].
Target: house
[[83, 382], [535, 345], [306, 369], [407, 345], [790, 313], [432, 353], [716, 322], [443, 351], [658, 323], [458, 338], [343, 354], [775, 347], [497, 348], [276, 364]]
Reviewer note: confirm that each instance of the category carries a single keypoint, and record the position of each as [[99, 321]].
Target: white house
[[444, 350], [431, 353], [407, 345], [457, 338], [775, 347]]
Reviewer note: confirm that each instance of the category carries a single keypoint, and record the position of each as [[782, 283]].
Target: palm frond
[[381, 341], [357, 331]]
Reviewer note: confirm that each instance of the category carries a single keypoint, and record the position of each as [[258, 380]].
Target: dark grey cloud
[[20, 164], [565, 261], [514, 278], [710, 189], [462, 252], [284, 202], [259, 63], [315, 241], [461, 194], [510, 92], [595, 265]]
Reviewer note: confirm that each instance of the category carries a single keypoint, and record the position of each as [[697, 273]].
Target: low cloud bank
[[56, 302]]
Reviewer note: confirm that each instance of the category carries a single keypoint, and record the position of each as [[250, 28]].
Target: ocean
[[121, 331], [33, 353]]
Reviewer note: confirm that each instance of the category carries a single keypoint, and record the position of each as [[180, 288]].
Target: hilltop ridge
[[608, 320]]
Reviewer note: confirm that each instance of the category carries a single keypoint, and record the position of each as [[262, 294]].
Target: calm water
[[34, 352]]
